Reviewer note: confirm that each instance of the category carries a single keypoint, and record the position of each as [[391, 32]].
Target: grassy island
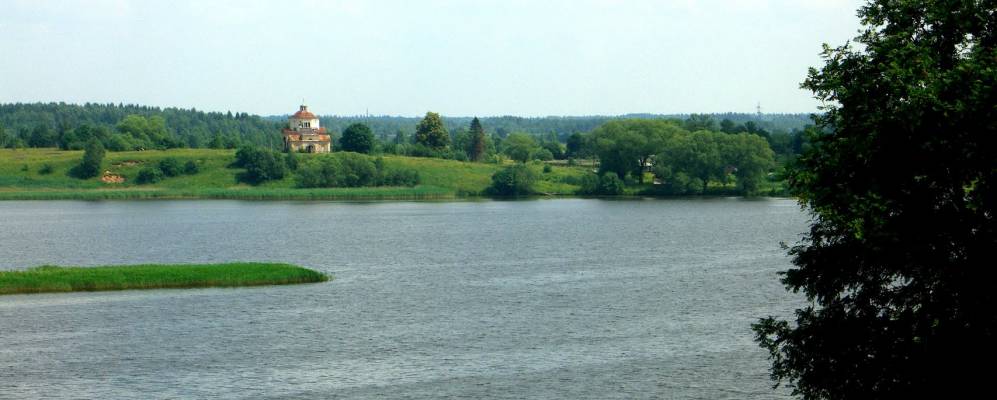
[[153, 276]]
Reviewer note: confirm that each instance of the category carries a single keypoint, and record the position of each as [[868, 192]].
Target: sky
[[406, 57]]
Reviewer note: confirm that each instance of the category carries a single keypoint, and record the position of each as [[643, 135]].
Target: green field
[[22, 178], [153, 276]]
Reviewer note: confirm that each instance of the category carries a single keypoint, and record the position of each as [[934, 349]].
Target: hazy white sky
[[404, 57]]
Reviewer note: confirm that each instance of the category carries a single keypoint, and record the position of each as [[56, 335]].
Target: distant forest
[[128, 126], [386, 127]]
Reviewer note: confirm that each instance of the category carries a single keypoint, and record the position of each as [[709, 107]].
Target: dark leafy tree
[[898, 263], [191, 167], [93, 157], [357, 138], [514, 180], [42, 136], [261, 165], [627, 146], [149, 174], [607, 184], [170, 167]]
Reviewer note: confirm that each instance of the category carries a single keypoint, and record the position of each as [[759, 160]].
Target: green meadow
[[43, 174], [153, 276]]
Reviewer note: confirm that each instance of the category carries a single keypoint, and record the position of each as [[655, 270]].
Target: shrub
[[261, 165], [514, 180], [543, 155], [548, 169], [45, 169], [607, 184], [191, 167], [170, 167], [149, 174]]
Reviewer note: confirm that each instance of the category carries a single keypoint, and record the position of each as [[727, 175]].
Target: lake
[[563, 298]]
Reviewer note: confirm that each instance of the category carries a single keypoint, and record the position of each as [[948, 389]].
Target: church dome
[[303, 113]]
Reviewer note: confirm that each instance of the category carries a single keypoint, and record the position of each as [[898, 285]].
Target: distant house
[[304, 134]]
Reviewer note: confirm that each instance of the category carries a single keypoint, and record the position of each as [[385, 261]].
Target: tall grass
[[153, 276]]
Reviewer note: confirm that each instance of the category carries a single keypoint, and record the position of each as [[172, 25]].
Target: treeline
[[134, 127], [129, 127], [561, 127], [658, 157]]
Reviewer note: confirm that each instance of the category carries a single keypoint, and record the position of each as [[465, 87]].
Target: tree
[[576, 146], [357, 138], [93, 157], [520, 146], [42, 136], [431, 133], [626, 146], [751, 157], [898, 260], [514, 180], [261, 165], [476, 150]]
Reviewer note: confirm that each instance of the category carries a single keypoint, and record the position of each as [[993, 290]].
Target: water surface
[[569, 298]]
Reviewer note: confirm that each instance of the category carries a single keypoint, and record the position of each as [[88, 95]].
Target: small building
[[304, 134]]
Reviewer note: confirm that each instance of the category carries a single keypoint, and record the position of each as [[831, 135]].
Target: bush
[[45, 169], [608, 184], [543, 155], [149, 174], [351, 170], [261, 165], [170, 167], [291, 160], [548, 169], [515, 180], [191, 167]]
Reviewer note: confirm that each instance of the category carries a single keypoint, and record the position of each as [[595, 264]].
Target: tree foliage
[[93, 157], [514, 180], [351, 170], [431, 133], [261, 165], [520, 146], [626, 146], [898, 261], [357, 138], [477, 147]]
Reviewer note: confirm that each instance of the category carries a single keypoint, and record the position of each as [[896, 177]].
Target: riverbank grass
[[47, 279]]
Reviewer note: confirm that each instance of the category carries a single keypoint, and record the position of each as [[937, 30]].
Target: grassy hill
[[24, 176]]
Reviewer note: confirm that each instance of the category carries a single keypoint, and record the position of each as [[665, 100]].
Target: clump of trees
[[166, 168], [898, 263], [261, 165], [345, 169], [513, 180], [607, 184], [683, 162]]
